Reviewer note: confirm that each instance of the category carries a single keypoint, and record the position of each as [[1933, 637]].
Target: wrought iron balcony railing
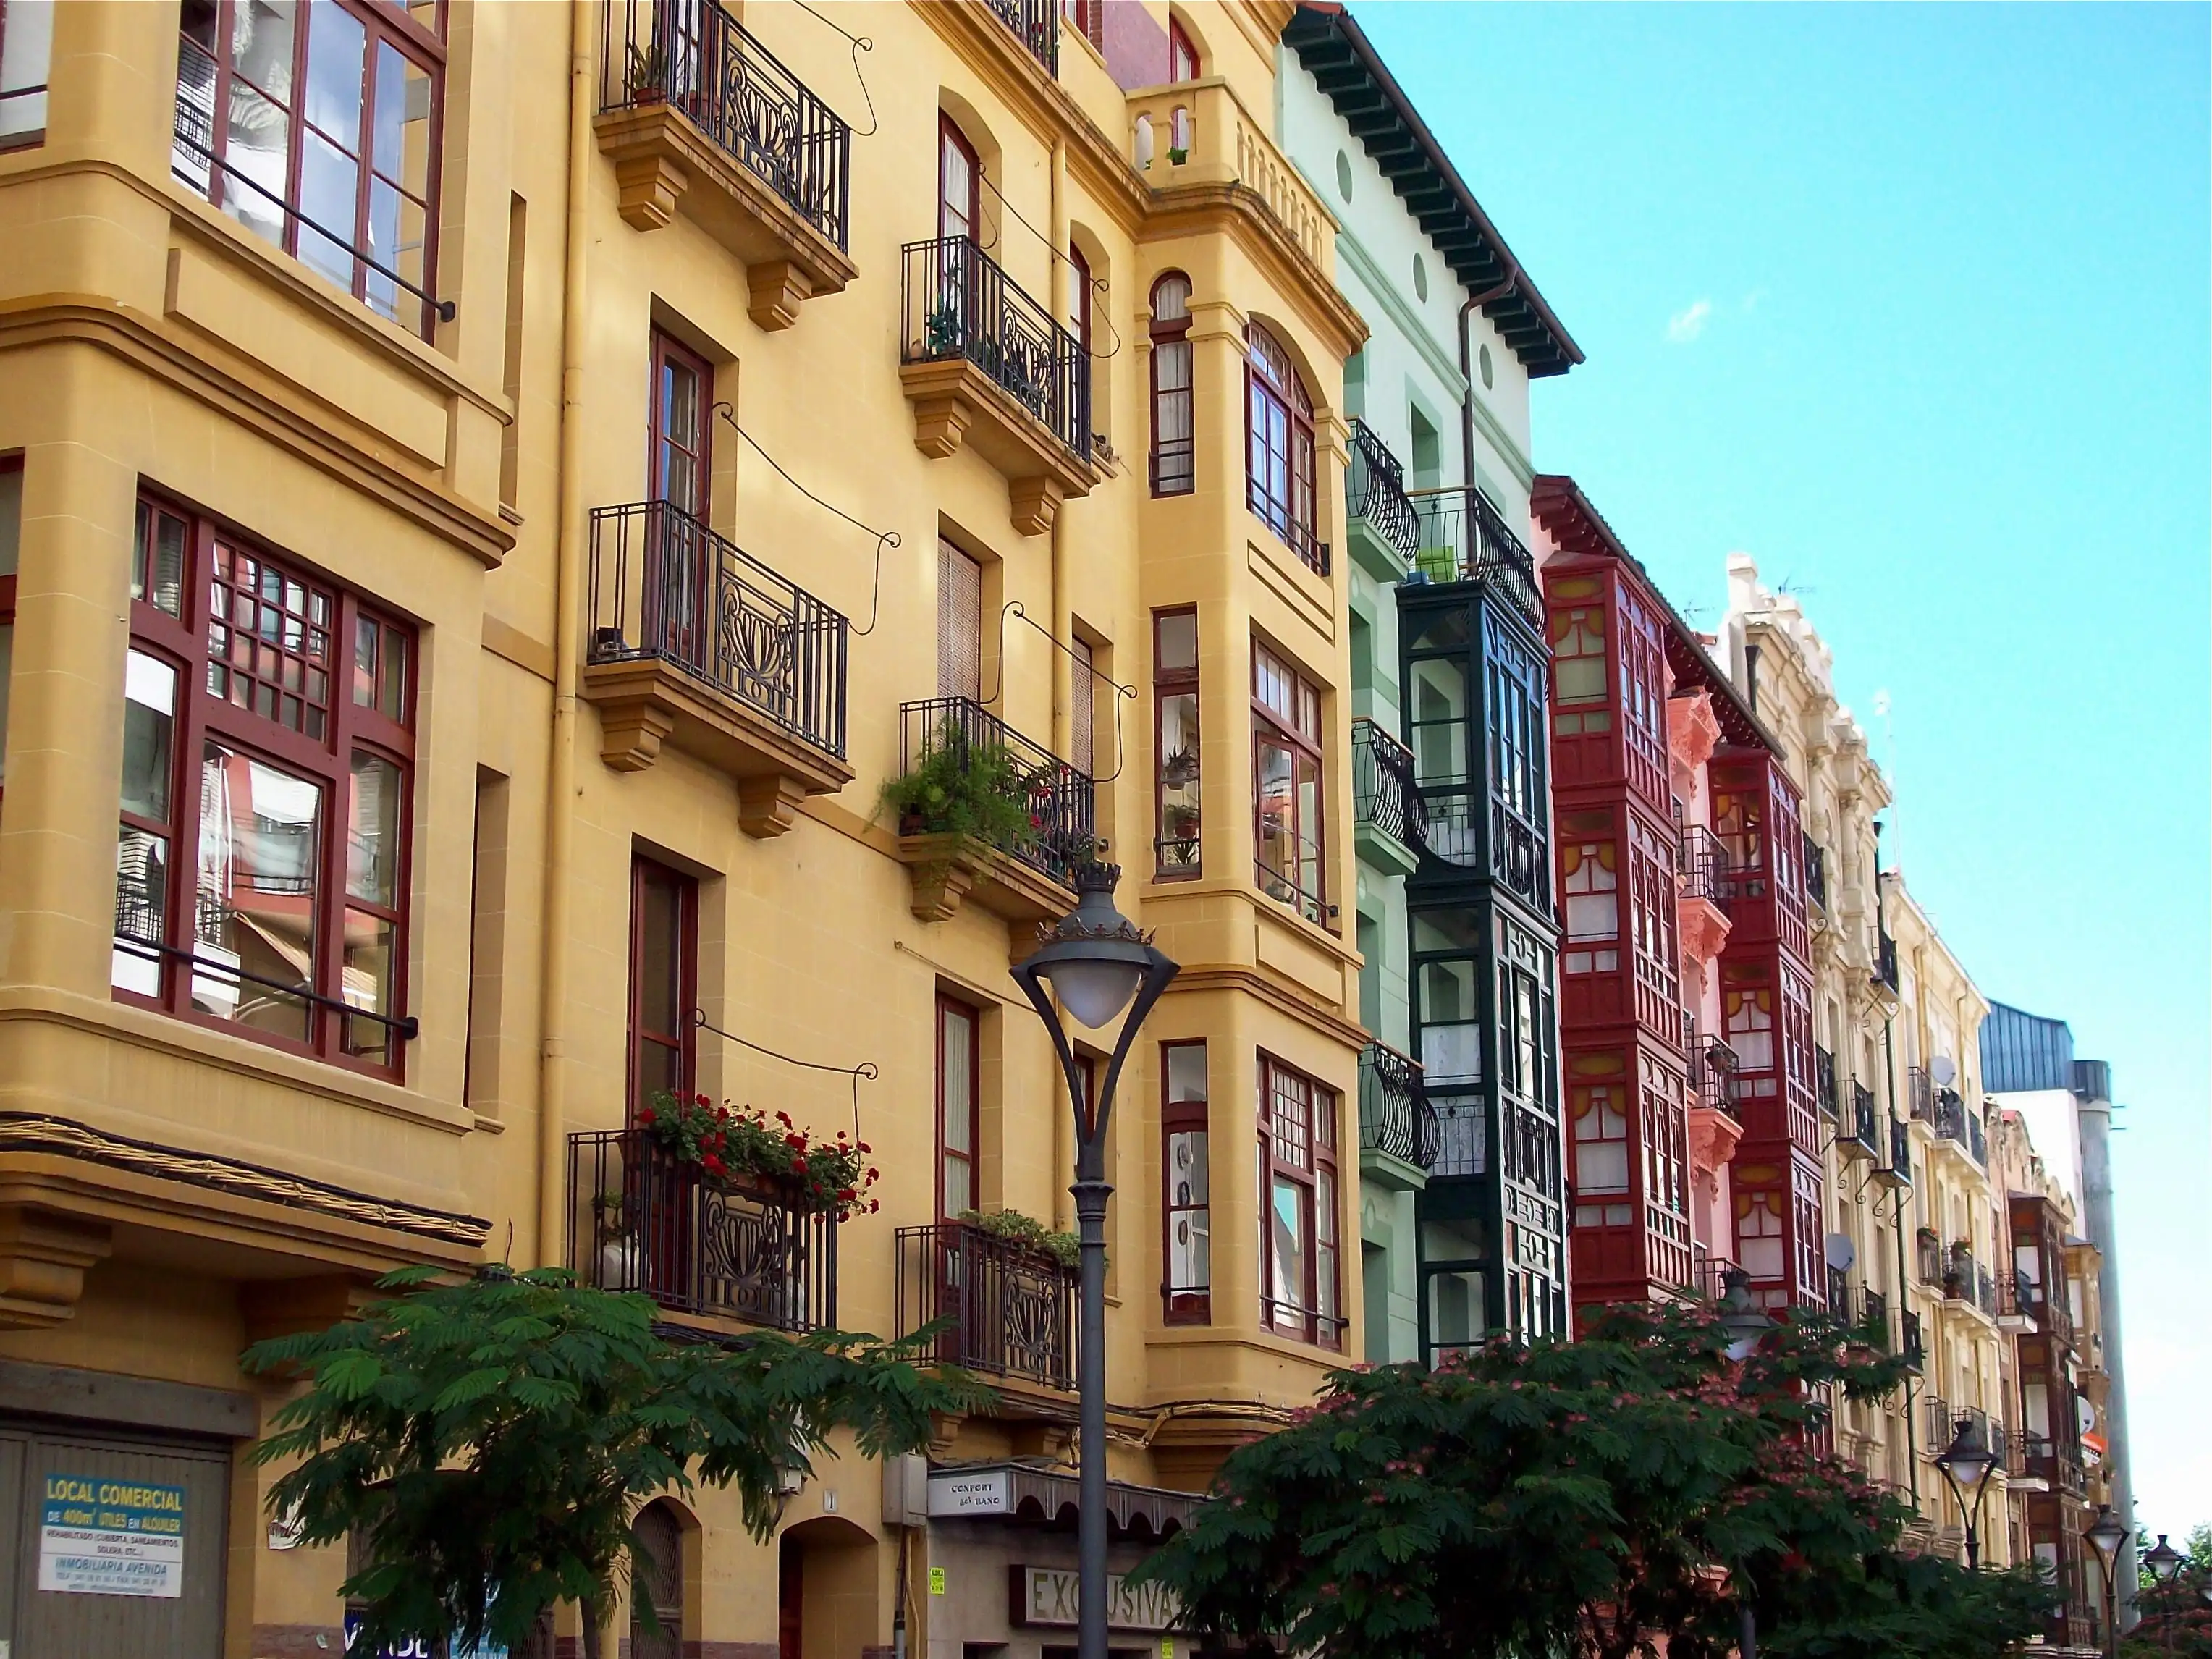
[[1462, 539], [1816, 872], [1713, 1069], [1920, 1095], [958, 303], [665, 587], [1911, 1343], [1824, 1080], [1057, 800], [1394, 1114], [1036, 24], [695, 58], [1384, 793], [2057, 1462], [1885, 960], [1703, 863], [639, 1220], [1009, 1309], [1870, 1309], [2027, 1297], [1375, 491], [1958, 1273], [1928, 1257], [1865, 1124], [1900, 1150]]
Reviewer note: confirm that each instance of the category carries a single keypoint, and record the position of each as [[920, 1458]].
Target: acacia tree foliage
[[1581, 1498], [492, 1440]]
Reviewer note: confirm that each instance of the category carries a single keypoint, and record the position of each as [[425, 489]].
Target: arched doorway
[[656, 1593], [825, 1589]]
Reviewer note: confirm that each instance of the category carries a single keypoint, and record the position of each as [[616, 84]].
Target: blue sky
[[1912, 304]]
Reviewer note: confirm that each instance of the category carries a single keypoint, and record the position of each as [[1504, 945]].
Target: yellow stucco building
[[489, 495]]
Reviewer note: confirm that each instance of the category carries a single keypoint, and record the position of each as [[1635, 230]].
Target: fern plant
[[971, 787]]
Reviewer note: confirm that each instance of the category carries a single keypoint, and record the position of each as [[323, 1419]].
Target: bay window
[[1174, 452], [1280, 456], [1298, 1242], [1286, 787], [317, 127], [261, 848], [1188, 1283], [1174, 742]]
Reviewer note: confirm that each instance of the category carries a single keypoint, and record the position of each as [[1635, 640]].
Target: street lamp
[[1744, 1322], [2105, 1535], [2164, 1562], [1966, 1463], [1097, 962]]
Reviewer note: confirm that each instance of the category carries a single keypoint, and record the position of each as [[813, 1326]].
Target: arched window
[[1172, 467], [657, 1584], [958, 211], [1279, 460], [1183, 56]]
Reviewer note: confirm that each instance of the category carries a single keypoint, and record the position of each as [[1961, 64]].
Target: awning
[[1021, 1492]]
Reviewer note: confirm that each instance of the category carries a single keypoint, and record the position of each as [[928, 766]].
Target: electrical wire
[[885, 538], [1015, 608], [861, 43], [865, 1069], [1097, 284]]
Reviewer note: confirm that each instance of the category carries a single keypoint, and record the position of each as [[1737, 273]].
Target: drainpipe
[[1903, 1286], [1488, 297], [568, 568]]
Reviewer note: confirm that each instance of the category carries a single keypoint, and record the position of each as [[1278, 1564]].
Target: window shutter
[[959, 624], [1083, 705]]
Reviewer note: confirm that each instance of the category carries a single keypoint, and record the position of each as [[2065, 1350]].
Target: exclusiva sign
[[1053, 1595]]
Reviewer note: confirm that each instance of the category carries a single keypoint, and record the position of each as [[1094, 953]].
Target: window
[[1087, 18], [683, 393], [1175, 741], [959, 1116], [1079, 280], [1299, 1220], [317, 128], [27, 34], [12, 526], [1186, 1205], [1600, 1113], [1083, 707], [656, 1581], [267, 890], [664, 982], [1173, 451], [1579, 669], [1183, 56], [957, 172], [1454, 1309], [1517, 758], [959, 623], [1279, 460], [1448, 984], [1286, 793], [1590, 876]]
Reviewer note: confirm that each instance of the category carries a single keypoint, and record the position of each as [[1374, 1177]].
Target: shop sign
[[990, 1492], [1052, 1595], [103, 1537]]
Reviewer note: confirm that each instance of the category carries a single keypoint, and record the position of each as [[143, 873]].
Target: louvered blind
[[959, 623]]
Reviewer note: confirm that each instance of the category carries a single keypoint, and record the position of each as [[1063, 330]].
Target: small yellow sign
[[1167, 1647], [936, 1581]]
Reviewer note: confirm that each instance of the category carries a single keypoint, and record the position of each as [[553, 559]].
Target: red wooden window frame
[[1297, 730], [1078, 269], [1186, 859], [208, 34], [1173, 469], [1278, 446], [1297, 1143], [10, 466], [678, 469], [972, 1107], [957, 218], [1088, 19], [248, 681], [652, 880], [1192, 1303], [1183, 56]]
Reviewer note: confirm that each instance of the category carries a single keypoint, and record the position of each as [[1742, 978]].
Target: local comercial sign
[[1052, 1595], [103, 1537]]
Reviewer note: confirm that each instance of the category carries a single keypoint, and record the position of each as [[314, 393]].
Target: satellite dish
[[1842, 1252], [1942, 1071]]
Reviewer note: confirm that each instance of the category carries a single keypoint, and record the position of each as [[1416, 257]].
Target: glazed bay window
[[1286, 791], [1188, 1288], [1279, 456], [316, 126], [1298, 1218], [1174, 452], [261, 853], [1175, 740]]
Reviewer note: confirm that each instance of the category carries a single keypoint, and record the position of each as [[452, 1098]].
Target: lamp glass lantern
[[1966, 1463], [1742, 1320], [2164, 1560], [2105, 1535]]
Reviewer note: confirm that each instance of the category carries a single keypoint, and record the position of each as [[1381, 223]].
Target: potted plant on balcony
[[1028, 1234], [732, 1150], [971, 789]]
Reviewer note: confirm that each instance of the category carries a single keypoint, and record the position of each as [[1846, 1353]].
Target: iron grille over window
[[958, 303], [695, 58]]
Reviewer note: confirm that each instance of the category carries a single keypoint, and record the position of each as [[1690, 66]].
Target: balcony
[[1824, 1080], [1204, 154], [1016, 821], [639, 1221], [1463, 538], [1703, 863], [1009, 1309], [1816, 873], [1895, 1172], [1884, 961], [984, 364], [1036, 24], [1910, 1344], [2024, 1305], [2057, 1463], [1871, 1309], [697, 116], [1713, 1076], [1397, 1125], [1928, 1258], [1920, 1096], [1859, 1136], [1958, 1127], [697, 645], [1375, 495], [1391, 820]]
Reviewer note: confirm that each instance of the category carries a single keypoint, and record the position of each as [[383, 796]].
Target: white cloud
[[1685, 326]]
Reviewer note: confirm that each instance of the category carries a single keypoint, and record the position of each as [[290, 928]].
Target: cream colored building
[[443, 451]]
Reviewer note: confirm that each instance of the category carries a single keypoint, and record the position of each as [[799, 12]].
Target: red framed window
[[1600, 1113], [1087, 18], [664, 981], [261, 859], [317, 128], [1590, 874], [1175, 744], [1183, 56], [1186, 1287], [958, 210], [1298, 1249], [1280, 447], [11, 525], [1286, 785], [1580, 662], [1078, 273], [1174, 452], [683, 393], [26, 29], [959, 1110]]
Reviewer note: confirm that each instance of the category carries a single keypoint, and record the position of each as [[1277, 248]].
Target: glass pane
[[336, 43], [1188, 1179], [369, 941], [1190, 1247], [11, 518], [959, 1187], [387, 208], [1178, 643], [392, 676], [958, 1082], [401, 150], [157, 560], [1287, 1231], [1186, 1064], [149, 707], [141, 911], [365, 638], [330, 184], [1179, 781], [260, 851], [6, 663], [659, 1069], [373, 831], [1455, 1314], [659, 949], [1272, 780], [256, 147]]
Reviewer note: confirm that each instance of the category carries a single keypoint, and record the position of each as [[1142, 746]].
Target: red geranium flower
[[645, 1115]]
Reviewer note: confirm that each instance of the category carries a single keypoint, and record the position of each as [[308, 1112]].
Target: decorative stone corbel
[[652, 182], [44, 1257], [768, 805], [778, 287], [1035, 503]]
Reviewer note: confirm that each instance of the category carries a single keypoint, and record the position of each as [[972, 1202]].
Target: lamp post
[[1745, 1322], [2105, 1535], [1966, 1463], [2164, 1562], [1097, 963]]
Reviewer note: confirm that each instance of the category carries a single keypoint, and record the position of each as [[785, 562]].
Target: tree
[[1579, 1497], [2175, 1616], [490, 1441]]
